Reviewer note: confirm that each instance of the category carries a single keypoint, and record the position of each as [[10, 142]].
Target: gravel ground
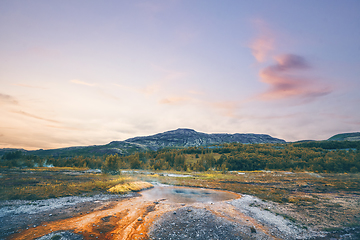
[[191, 221], [277, 224], [201, 224], [23, 214]]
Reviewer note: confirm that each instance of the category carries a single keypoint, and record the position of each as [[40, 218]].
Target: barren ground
[[313, 213]]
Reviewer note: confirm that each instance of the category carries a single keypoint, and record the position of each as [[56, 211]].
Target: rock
[[253, 230]]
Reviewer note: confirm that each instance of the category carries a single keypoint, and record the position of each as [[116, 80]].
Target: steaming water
[[187, 195]]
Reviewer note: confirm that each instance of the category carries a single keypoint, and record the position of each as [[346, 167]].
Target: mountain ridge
[[184, 137], [353, 136], [179, 138]]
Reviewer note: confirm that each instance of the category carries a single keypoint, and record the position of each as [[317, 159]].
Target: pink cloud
[[26, 85], [261, 47], [264, 43], [34, 116], [286, 80]]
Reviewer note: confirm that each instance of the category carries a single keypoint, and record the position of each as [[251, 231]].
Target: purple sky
[[90, 72]]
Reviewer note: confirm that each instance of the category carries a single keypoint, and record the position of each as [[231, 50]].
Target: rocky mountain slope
[[191, 138], [179, 138]]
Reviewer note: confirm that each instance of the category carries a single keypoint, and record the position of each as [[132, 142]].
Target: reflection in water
[[187, 195]]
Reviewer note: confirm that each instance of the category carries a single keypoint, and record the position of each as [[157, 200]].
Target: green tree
[[135, 162], [111, 164]]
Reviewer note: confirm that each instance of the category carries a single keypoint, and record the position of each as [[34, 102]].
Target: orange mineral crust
[[127, 219], [132, 218]]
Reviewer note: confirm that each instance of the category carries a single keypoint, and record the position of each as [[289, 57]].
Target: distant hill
[[183, 137], [355, 136], [179, 138]]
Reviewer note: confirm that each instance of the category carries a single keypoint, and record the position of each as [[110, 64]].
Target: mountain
[[183, 137], [179, 138], [355, 136]]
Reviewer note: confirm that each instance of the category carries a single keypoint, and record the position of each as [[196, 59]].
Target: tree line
[[327, 156]]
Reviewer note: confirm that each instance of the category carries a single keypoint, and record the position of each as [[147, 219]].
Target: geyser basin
[[188, 195]]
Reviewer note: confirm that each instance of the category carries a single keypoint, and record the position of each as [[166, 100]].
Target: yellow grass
[[38, 184], [131, 186]]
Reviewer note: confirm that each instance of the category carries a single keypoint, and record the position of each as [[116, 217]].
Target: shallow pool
[[187, 195]]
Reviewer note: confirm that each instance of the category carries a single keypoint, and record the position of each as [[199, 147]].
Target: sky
[[86, 72]]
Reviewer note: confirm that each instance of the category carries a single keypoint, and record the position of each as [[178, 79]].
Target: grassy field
[[43, 183], [321, 201]]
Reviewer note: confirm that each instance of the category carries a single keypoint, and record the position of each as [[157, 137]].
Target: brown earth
[[145, 217], [296, 205]]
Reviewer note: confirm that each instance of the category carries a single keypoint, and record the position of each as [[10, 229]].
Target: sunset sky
[[76, 73]]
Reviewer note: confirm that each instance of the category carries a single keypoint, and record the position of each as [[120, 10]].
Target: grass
[[43, 183], [131, 186]]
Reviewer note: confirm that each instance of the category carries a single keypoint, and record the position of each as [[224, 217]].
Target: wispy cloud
[[228, 108], [76, 81], [7, 99], [263, 44], [64, 128], [260, 47], [285, 79], [26, 85], [34, 116], [174, 100]]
